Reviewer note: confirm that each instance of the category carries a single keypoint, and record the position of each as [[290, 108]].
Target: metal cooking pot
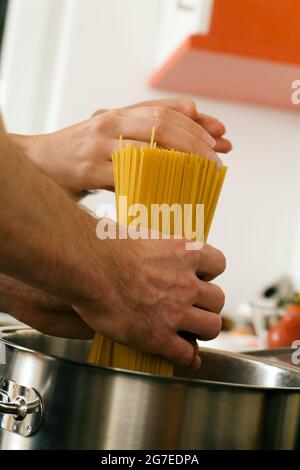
[[50, 398], [7, 320]]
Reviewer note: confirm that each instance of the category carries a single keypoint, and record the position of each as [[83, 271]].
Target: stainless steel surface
[[7, 320], [20, 408], [234, 402], [287, 356]]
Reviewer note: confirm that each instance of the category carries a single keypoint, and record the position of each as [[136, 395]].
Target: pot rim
[[147, 376]]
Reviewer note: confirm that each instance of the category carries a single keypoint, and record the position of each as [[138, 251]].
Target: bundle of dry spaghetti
[[152, 177]]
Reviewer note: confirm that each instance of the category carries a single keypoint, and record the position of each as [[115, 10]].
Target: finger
[[167, 135], [210, 263], [136, 143], [207, 262], [215, 127], [191, 338], [204, 324], [181, 104], [196, 362], [167, 115], [209, 297], [217, 130], [102, 177], [99, 111], [223, 145], [180, 352], [187, 107]]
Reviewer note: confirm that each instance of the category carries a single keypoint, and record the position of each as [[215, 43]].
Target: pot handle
[[19, 408]]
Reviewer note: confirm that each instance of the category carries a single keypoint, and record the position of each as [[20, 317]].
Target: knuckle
[[188, 106], [195, 147], [221, 262], [216, 126], [215, 327], [160, 127], [111, 116], [157, 341], [219, 298], [104, 122], [176, 316], [185, 282], [194, 288], [217, 258], [178, 246], [192, 257], [139, 337], [160, 112], [99, 111], [132, 337], [184, 357], [171, 315]]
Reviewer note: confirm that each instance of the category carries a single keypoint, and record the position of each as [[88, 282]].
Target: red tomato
[[293, 308], [285, 331]]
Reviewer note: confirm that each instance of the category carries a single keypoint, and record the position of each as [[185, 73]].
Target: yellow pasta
[[151, 175]]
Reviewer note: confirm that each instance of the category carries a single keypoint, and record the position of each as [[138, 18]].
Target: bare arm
[[50, 243], [42, 241], [79, 157], [41, 311]]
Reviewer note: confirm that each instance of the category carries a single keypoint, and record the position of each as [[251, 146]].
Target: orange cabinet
[[251, 53]]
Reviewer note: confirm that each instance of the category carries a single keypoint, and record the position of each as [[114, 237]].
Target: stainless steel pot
[[51, 399], [7, 320]]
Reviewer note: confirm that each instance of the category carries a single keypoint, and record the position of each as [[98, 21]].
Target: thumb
[[99, 111]]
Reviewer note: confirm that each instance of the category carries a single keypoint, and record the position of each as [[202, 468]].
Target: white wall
[[31, 41], [105, 55]]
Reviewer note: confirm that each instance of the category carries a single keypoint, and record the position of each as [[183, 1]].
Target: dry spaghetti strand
[[151, 175]]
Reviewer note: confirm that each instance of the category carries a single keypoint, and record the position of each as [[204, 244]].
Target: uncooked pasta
[[152, 177]]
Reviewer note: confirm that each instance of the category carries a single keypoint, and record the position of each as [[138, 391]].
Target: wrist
[[38, 149], [49, 242], [11, 294], [91, 281], [33, 146]]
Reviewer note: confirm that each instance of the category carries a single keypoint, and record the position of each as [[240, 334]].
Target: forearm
[[38, 149], [16, 296], [23, 142], [44, 236], [8, 294], [44, 312]]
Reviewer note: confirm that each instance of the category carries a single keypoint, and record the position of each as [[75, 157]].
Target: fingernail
[[209, 140], [196, 363], [213, 156]]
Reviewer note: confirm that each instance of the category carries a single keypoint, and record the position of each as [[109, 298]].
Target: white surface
[[227, 341], [179, 20], [105, 54], [31, 42]]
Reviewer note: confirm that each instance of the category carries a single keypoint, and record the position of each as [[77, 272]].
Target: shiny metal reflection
[[234, 402]]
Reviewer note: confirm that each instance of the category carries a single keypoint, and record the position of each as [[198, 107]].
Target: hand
[[151, 291], [41, 311], [187, 107], [143, 292], [79, 157]]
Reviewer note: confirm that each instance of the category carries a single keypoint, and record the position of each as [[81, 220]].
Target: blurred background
[[63, 59]]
